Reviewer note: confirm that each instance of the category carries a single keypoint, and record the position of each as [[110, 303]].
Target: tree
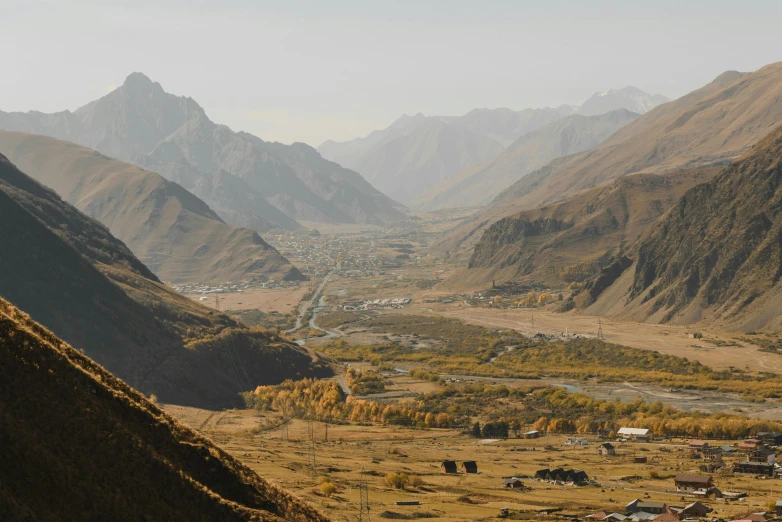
[[476, 430]]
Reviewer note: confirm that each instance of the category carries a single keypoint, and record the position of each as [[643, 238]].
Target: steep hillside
[[139, 122], [571, 240], [71, 275], [711, 126], [171, 231], [630, 98], [79, 444], [478, 185], [410, 164], [717, 255]]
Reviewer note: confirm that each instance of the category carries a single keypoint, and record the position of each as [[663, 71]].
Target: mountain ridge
[[171, 231], [710, 126], [141, 123]]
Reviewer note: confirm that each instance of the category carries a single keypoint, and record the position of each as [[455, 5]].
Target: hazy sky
[[296, 70]]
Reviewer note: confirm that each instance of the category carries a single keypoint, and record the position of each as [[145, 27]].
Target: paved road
[[312, 301]]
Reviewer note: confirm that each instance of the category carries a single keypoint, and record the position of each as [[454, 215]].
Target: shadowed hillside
[[71, 275], [79, 444], [171, 231], [717, 255], [571, 240]]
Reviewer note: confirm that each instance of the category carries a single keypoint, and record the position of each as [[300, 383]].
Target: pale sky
[[297, 70]]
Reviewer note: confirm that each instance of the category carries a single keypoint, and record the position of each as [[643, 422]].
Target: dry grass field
[[283, 456], [283, 300]]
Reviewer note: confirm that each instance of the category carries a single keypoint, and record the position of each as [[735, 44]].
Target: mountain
[[416, 152], [101, 451], [478, 185], [171, 231], [573, 239], [716, 256], [69, 273], [405, 166], [141, 123], [630, 98], [710, 126]]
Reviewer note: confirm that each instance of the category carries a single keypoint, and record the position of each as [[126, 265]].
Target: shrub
[[397, 480], [327, 489]]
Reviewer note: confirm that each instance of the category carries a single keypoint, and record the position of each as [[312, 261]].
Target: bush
[[653, 473], [327, 489], [397, 480]]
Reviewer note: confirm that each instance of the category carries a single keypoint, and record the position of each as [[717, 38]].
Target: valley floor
[[283, 456]]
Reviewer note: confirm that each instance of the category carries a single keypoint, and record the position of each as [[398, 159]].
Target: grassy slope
[[100, 451]]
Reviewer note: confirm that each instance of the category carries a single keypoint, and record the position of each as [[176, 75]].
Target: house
[[448, 466], [632, 507], [653, 508], [713, 453], [778, 507], [750, 444], [639, 460], [754, 468], [542, 474], [698, 445], [692, 482], [761, 455], [513, 483], [771, 438], [531, 434], [638, 434], [469, 466], [666, 517], [641, 516], [576, 442], [615, 517], [606, 449], [695, 510]]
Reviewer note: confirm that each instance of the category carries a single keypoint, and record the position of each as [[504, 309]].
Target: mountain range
[[478, 185], [70, 274], [711, 126], [175, 234], [80, 444], [416, 154], [247, 181]]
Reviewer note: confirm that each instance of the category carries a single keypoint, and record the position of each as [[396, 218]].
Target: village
[[446, 474]]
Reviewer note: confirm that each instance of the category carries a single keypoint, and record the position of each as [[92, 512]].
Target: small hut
[[469, 466], [513, 483], [606, 449], [448, 466]]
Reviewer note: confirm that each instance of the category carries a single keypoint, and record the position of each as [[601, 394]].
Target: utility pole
[[217, 303], [363, 493], [311, 454], [600, 329]]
